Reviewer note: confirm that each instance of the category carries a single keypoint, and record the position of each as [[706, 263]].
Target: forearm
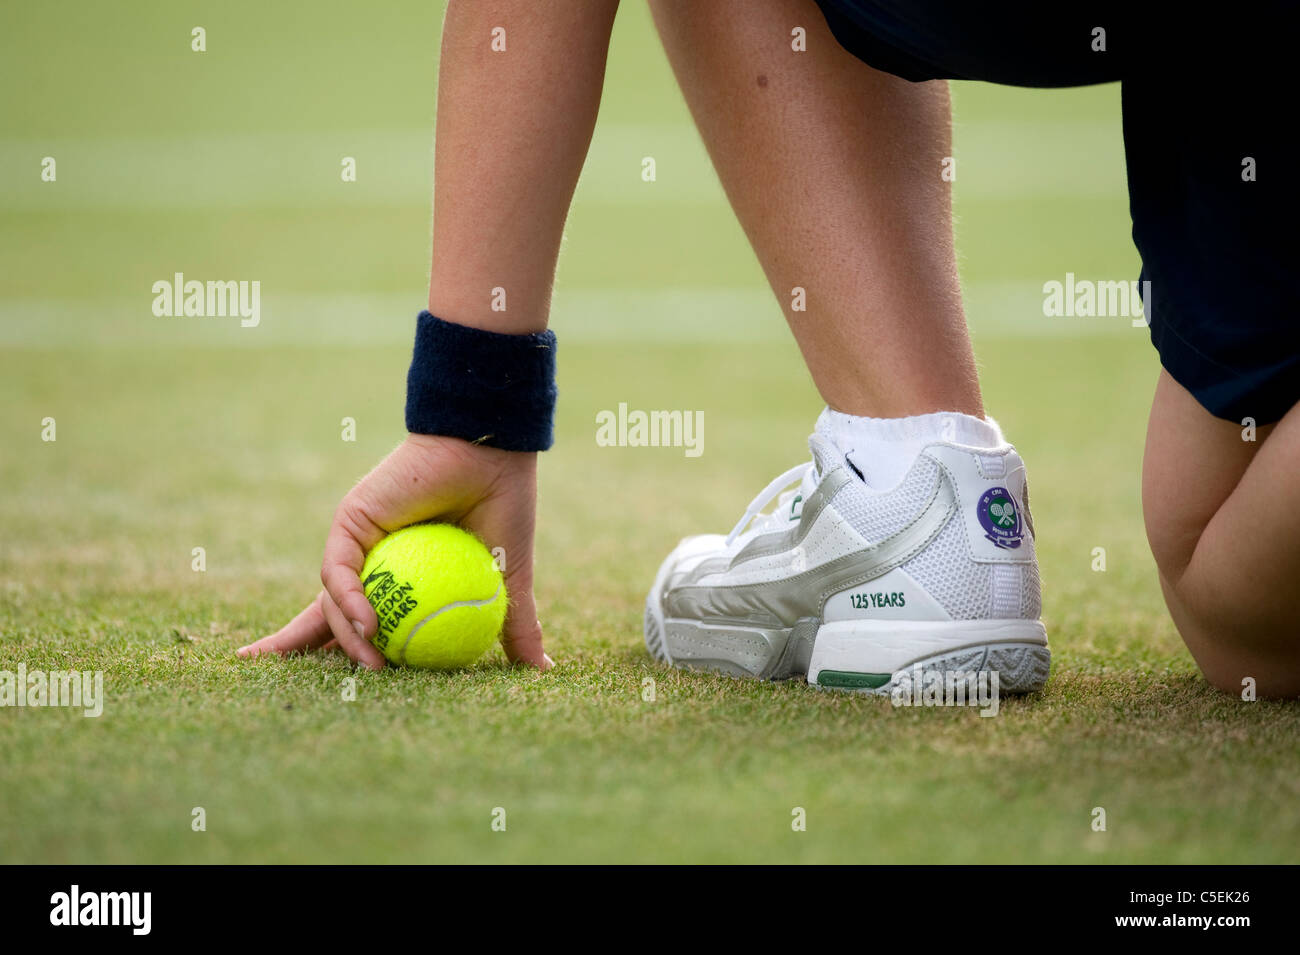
[[513, 129]]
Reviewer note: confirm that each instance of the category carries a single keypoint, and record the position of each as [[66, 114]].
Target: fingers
[[310, 630], [350, 538], [522, 636], [306, 631], [423, 478], [491, 492], [357, 647]]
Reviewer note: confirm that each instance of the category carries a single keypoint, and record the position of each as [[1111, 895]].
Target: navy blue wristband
[[485, 387]]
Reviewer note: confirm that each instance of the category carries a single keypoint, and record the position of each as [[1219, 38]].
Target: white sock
[[883, 449]]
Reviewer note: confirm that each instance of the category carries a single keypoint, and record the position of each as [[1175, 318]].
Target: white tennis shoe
[[853, 587]]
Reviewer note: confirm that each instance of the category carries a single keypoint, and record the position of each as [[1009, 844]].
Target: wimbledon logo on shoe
[[999, 518]]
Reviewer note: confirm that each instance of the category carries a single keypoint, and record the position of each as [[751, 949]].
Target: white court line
[[995, 160], [579, 316]]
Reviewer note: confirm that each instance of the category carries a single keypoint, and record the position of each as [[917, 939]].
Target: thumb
[[522, 636]]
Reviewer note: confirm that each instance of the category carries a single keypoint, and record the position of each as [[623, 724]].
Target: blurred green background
[[178, 433]]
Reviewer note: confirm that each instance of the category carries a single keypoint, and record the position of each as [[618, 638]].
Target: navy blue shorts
[[1201, 96]]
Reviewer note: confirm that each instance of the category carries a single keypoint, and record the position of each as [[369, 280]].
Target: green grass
[[174, 435], [97, 575]]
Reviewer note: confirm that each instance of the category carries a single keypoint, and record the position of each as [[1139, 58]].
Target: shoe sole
[[865, 656]]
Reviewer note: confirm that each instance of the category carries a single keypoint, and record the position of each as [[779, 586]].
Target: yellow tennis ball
[[439, 596]]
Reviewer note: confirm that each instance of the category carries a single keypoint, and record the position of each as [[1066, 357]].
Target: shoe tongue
[[826, 456]]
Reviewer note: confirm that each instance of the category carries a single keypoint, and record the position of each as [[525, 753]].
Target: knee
[[1239, 641], [1250, 676], [1247, 657]]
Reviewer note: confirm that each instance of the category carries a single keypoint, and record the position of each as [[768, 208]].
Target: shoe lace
[[785, 511]]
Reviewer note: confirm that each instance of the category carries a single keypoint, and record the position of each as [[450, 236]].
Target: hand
[[485, 490]]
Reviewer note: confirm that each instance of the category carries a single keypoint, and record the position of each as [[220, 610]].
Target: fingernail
[[548, 661], [241, 651], [361, 631]]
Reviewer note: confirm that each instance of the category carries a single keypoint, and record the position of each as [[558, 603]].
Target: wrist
[[481, 386]]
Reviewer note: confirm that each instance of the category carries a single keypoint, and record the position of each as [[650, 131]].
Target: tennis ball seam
[[486, 601]]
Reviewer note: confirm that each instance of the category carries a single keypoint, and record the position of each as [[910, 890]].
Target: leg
[[1222, 514], [860, 217], [834, 170], [1223, 519], [513, 129]]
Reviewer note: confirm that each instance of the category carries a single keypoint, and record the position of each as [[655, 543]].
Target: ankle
[[882, 449]]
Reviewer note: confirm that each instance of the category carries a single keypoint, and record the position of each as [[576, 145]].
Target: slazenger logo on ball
[[1000, 518], [391, 599]]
